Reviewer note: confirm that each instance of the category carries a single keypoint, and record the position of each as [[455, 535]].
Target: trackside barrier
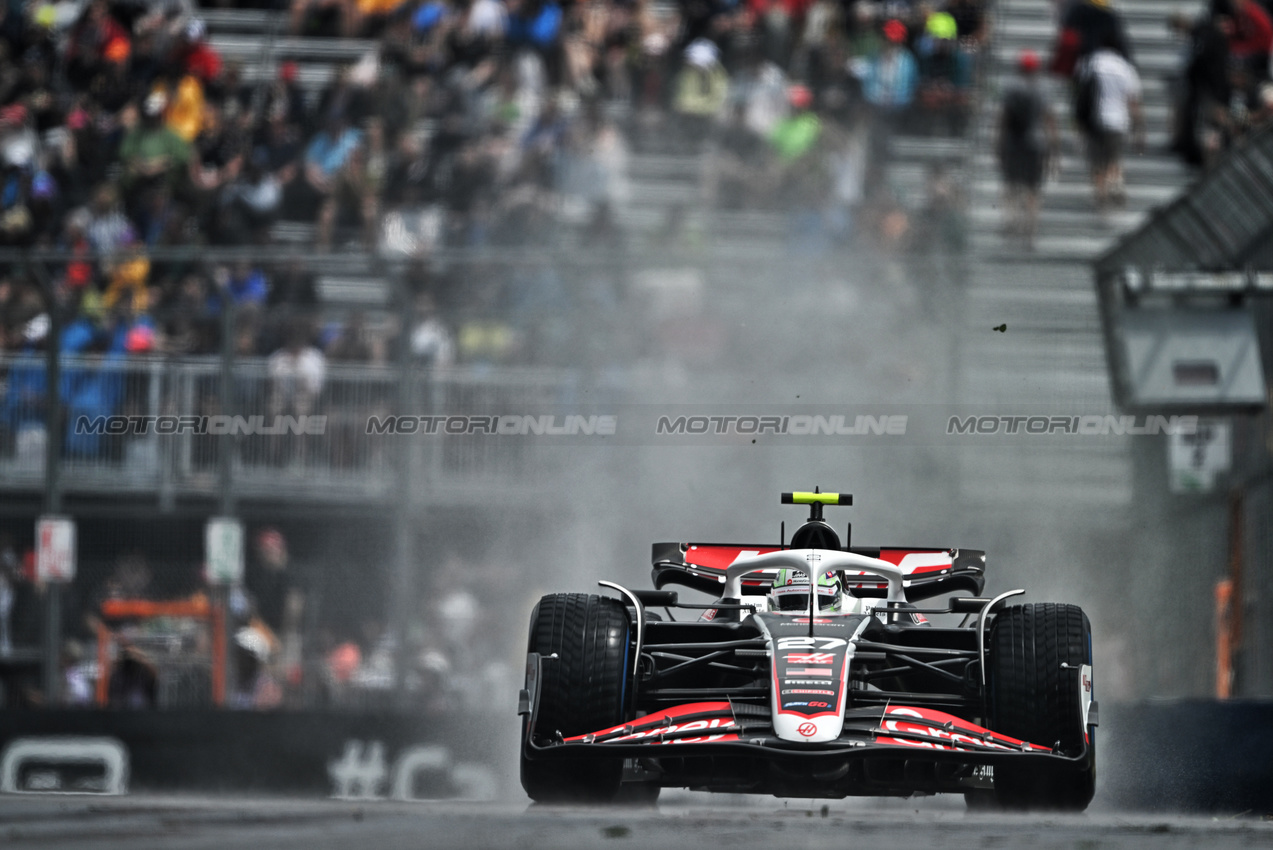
[[378, 755], [361, 772], [1188, 755], [413, 761]]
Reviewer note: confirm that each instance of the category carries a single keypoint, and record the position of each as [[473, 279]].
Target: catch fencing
[[152, 425]]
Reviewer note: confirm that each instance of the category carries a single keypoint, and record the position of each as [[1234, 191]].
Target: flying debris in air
[[1003, 329]]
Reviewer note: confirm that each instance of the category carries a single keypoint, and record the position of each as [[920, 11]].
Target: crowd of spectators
[[466, 124], [1222, 88], [1093, 53], [1221, 91]]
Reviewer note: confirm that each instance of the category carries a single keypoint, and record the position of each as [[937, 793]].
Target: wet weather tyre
[[1034, 695], [583, 689]]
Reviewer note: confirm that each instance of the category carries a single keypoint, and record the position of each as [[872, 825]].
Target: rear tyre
[[583, 689], [1034, 696]]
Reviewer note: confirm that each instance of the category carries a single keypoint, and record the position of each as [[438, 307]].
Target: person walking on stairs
[[1027, 136]]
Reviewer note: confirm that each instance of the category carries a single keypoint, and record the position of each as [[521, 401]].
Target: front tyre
[[583, 689], [1034, 694]]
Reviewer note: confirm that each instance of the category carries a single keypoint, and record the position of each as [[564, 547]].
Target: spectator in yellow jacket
[[186, 106], [701, 89], [128, 276]]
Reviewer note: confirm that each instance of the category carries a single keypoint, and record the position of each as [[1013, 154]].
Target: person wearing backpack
[[1027, 136], [1107, 110]]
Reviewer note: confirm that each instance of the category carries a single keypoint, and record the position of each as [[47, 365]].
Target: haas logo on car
[[807, 729], [1087, 683]]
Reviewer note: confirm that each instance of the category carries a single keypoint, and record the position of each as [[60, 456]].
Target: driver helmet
[[791, 591]]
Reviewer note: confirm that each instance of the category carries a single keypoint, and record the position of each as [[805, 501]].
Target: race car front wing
[[909, 736]]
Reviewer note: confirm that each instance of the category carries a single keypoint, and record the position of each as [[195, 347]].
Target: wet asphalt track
[[141, 822]]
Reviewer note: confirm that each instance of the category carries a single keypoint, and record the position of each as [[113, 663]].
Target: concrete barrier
[[1187, 756], [364, 756]]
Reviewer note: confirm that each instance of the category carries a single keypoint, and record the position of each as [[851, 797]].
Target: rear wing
[[928, 572]]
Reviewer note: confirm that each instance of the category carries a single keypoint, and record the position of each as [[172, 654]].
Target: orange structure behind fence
[[165, 646]]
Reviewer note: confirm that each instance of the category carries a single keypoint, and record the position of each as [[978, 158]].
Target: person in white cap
[[701, 89]]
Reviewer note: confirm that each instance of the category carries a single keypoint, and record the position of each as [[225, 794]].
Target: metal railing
[[170, 441]]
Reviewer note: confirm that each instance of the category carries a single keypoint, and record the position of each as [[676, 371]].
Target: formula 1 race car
[[812, 673]]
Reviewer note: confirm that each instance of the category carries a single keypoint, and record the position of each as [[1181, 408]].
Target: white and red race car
[[833, 683]]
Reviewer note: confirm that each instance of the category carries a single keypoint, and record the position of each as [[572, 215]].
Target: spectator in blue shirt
[[330, 150], [945, 77], [535, 24], [245, 286], [889, 85], [327, 183], [892, 76]]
